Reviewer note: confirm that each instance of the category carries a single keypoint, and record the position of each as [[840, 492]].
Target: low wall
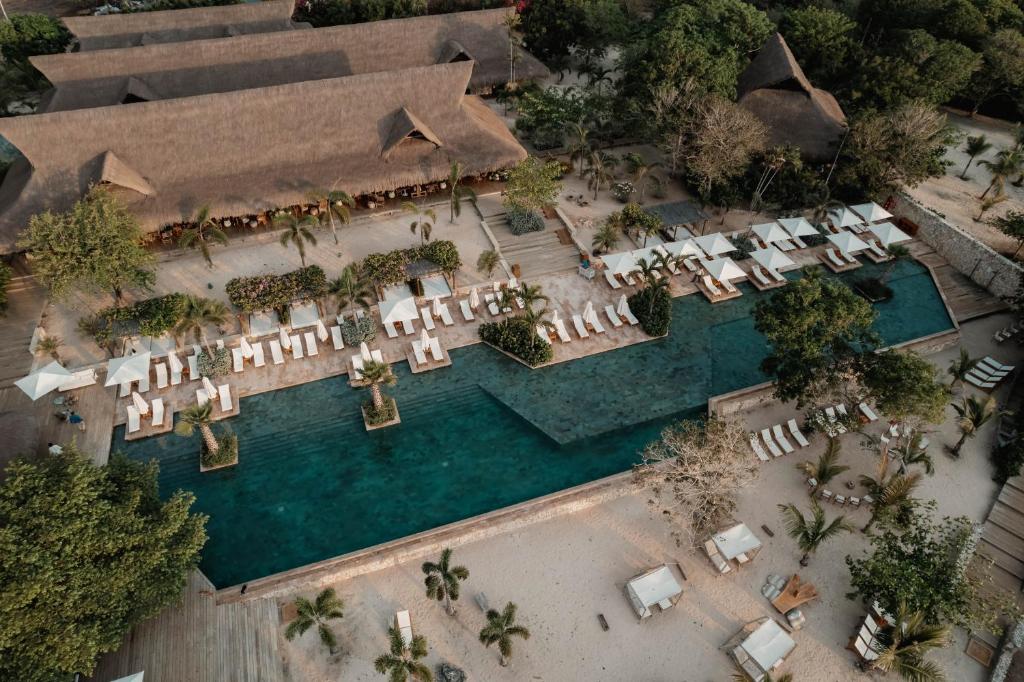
[[964, 252]]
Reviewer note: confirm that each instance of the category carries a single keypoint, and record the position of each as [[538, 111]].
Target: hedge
[[515, 335], [354, 332], [263, 292], [216, 365], [652, 306], [386, 269], [227, 453], [151, 317], [522, 221]]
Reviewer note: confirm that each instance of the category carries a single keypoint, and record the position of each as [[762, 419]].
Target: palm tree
[[642, 173], [403, 662], [988, 204], [972, 414], [812, 533], [601, 171], [891, 494], [203, 230], [198, 416], [606, 237], [442, 580], [488, 262], [351, 289], [536, 319], [375, 374], [198, 312], [528, 295], [648, 270], [976, 145], [500, 629], [911, 452], [1006, 163], [327, 606], [825, 469], [423, 222], [50, 345], [596, 75], [297, 231], [959, 368], [580, 148], [336, 205], [457, 191], [902, 646]]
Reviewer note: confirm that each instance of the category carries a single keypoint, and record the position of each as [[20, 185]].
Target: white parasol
[[623, 305], [724, 269], [211, 390], [127, 368], [871, 212], [588, 311], [321, 330], [247, 351], [424, 337], [398, 310], [847, 242], [714, 244], [44, 380], [364, 351], [141, 405], [175, 363], [770, 232], [437, 306], [888, 234], [474, 298], [286, 342]]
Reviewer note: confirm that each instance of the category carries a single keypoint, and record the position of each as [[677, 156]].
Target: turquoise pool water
[[483, 434]]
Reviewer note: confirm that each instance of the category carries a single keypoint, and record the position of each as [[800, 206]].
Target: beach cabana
[[676, 214], [770, 232], [888, 234], [684, 248], [43, 380], [619, 263], [714, 244], [304, 315], [762, 647], [798, 227], [263, 323], [724, 269], [871, 212], [847, 242], [127, 368], [656, 587], [398, 310], [844, 217], [773, 259], [736, 542]]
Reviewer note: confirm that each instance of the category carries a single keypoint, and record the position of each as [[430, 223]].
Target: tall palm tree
[[596, 75], [457, 191], [327, 606], [402, 662], [580, 148], [198, 417], [972, 414], [442, 580], [500, 629], [198, 312], [987, 205], [959, 367], [536, 320], [891, 493], [337, 204], [648, 270], [423, 222], [351, 289], [902, 646], [488, 262], [50, 345], [912, 452], [203, 230], [1006, 163], [826, 468], [297, 231], [606, 237], [601, 171], [976, 145], [376, 374], [811, 533], [642, 173]]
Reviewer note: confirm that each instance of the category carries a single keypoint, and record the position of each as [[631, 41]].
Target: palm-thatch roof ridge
[[252, 150], [147, 28], [775, 89], [93, 79]]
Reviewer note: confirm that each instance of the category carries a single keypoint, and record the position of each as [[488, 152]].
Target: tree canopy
[[86, 552], [904, 385], [533, 184], [552, 27]]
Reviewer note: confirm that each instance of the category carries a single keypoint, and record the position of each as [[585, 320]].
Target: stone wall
[[968, 255]]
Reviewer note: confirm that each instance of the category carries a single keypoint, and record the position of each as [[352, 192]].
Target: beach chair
[[839, 500], [193, 368], [311, 348], [428, 321], [628, 279], [175, 377], [296, 347], [492, 305], [776, 275], [613, 317], [797, 434], [161, 375], [710, 285], [275, 352], [849, 258], [417, 351], [158, 412], [581, 327], [435, 350], [481, 601], [989, 361], [389, 327], [467, 312], [833, 256], [811, 482], [758, 450], [224, 392], [630, 317], [258, 359], [563, 334], [729, 286], [772, 447], [134, 419], [403, 623], [799, 242], [237, 360], [542, 334], [671, 267], [780, 438], [690, 265], [877, 250], [357, 366], [407, 327], [144, 383], [841, 409], [854, 502], [785, 245], [125, 389], [446, 316], [610, 278], [867, 412], [596, 324], [202, 397], [377, 355], [760, 276], [336, 339], [981, 382]]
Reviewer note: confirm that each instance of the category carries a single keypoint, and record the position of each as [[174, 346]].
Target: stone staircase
[[536, 253], [25, 301]]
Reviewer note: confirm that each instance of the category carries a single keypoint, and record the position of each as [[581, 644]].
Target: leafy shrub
[[814, 239], [653, 308], [515, 335], [216, 365], [5, 279], [522, 221], [151, 317], [637, 218], [227, 453], [547, 137], [354, 332], [387, 412], [336, 12], [1008, 459], [386, 269], [623, 191], [551, 109], [745, 246], [28, 35], [443, 253], [264, 292]]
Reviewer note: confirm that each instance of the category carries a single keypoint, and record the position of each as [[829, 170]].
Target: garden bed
[[397, 419]]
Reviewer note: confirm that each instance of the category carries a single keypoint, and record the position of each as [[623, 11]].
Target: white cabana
[[888, 234], [724, 269], [619, 263], [398, 310], [140, 404], [768, 645], [657, 586], [127, 368], [263, 323], [847, 242], [735, 541], [714, 244], [43, 380], [871, 212], [773, 259], [247, 351], [844, 217], [798, 227], [304, 315], [770, 232], [474, 298], [435, 286], [684, 248], [286, 341], [321, 331]]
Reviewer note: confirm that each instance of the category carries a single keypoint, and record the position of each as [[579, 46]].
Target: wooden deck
[[966, 299]]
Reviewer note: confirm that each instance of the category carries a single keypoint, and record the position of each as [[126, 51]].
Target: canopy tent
[[871, 212], [735, 541], [685, 248], [770, 232], [714, 244], [657, 586], [773, 259], [304, 315], [844, 217], [42, 381], [798, 227], [398, 310], [724, 269], [127, 368], [889, 234], [847, 242], [619, 263], [768, 645], [435, 286], [676, 214], [263, 323]]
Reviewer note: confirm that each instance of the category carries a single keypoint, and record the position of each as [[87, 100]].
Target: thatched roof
[[149, 28], [93, 79], [258, 149], [774, 88]]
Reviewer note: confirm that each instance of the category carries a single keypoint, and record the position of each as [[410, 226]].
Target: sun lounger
[[258, 359], [336, 339], [690, 265], [161, 375], [357, 366], [581, 328], [144, 383], [613, 317], [758, 450], [772, 447], [728, 286], [776, 275], [867, 412], [428, 321], [275, 352], [760, 276], [158, 412], [446, 316], [175, 377], [407, 327], [840, 500], [596, 324], [311, 348], [237, 361], [854, 501], [492, 305], [481, 600], [296, 347], [826, 494], [467, 312], [996, 365], [435, 350], [125, 389], [389, 327], [417, 351], [834, 257], [799, 242], [134, 419], [610, 278], [876, 249], [403, 623], [780, 438], [711, 285], [849, 258], [797, 434], [630, 317], [563, 334], [811, 482], [224, 391], [785, 245], [980, 382], [628, 279], [193, 368], [542, 334], [201, 396]]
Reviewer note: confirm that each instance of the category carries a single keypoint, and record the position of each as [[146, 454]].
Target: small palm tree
[[203, 230], [811, 533], [50, 345], [488, 262], [423, 222], [643, 173], [580, 148], [986, 205], [327, 606], [826, 468], [402, 662], [1006, 163], [198, 417], [198, 312], [648, 270], [442, 581], [336, 208], [972, 414], [457, 191], [297, 231], [976, 145], [911, 452], [376, 374], [606, 237], [500, 629], [891, 494], [901, 647], [351, 289], [959, 368], [601, 171]]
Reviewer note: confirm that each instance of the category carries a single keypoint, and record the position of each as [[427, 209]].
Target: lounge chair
[[729, 287], [275, 352], [840, 500], [428, 321], [995, 364], [404, 626], [134, 419], [849, 258], [628, 279], [407, 327], [258, 360], [613, 317], [467, 312], [690, 265], [760, 276], [785, 245], [175, 377], [776, 275], [161, 375], [492, 305], [772, 447], [357, 366], [193, 368], [446, 316], [877, 250], [711, 285], [630, 317], [542, 334], [417, 351], [158, 412], [797, 434], [336, 339], [581, 327], [563, 334], [610, 278], [202, 397], [224, 391], [377, 355], [389, 327], [596, 324], [435, 350], [780, 438], [799, 242], [758, 450], [854, 502], [836, 260], [125, 389], [311, 348], [237, 360], [481, 600], [144, 383], [867, 412], [296, 347], [978, 381]]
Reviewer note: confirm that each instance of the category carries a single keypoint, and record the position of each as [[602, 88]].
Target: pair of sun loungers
[[135, 417], [161, 376], [357, 362], [223, 395], [777, 441], [840, 259], [433, 346], [987, 373], [766, 277]]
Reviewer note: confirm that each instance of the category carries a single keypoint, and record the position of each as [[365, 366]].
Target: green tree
[[376, 374], [488, 262], [442, 580], [1002, 69], [1012, 225], [959, 367], [893, 503], [297, 231], [976, 145], [422, 222], [97, 246], [198, 417], [553, 27], [202, 231], [972, 415], [826, 468], [580, 148], [904, 385], [1006, 163], [811, 533], [500, 629], [198, 312], [533, 184], [402, 662], [327, 606], [50, 345], [457, 191], [902, 647], [335, 208], [821, 40], [607, 236], [643, 173], [351, 289], [27, 35], [600, 171], [86, 553]]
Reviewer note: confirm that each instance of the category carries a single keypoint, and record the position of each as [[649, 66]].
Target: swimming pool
[[483, 434]]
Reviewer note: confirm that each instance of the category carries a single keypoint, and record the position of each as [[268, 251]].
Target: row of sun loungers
[[826, 495], [135, 417], [987, 373], [767, 277], [1007, 332], [840, 259], [777, 441]]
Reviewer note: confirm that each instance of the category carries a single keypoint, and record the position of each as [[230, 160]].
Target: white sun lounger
[[711, 285], [144, 383], [311, 348], [581, 327], [767, 438], [467, 312], [628, 279], [446, 316], [202, 397], [542, 334], [995, 364], [193, 368], [258, 359], [224, 391], [296, 347], [407, 327], [690, 265], [428, 321], [158, 412], [275, 352], [776, 275], [800, 243], [389, 327], [596, 324], [831, 414], [563, 334], [834, 257], [492, 305], [671, 267], [728, 286], [237, 360], [435, 349], [610, 278], [785, 245], [758, 450], [876, 249], [868, 412], [336, 339], [797, 434], [979, 381], [780, 438], [377, 355], [760, 276], [404, 625], [357, 366], [630, 317], [125, 389], [613, 317], [161, 375], [417, 351], [134, 419]]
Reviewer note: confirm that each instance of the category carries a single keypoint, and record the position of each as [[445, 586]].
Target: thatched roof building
[[171, 26], [109, 77], [775, 89], [253, 150]]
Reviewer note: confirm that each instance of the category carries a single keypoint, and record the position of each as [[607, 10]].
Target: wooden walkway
[[966, 299], [199, 641]]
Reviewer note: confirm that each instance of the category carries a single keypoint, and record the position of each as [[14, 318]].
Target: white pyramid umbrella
[[364, 352], [246, 349], [141, 405], [770, 232], [286, 341], [871, 212], [321, 330], [847, 242], [172, 359], [798, 227], [43, 380], [555, 317], [398, 310], [773, 259], [619, 263], [437, 306], [136, 677], [724, 269], [127, 368], [588, 310], [714, 244], [424, 337], [889, 234], [685, 248], [474, 298], [623, 305], [844, 217]]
